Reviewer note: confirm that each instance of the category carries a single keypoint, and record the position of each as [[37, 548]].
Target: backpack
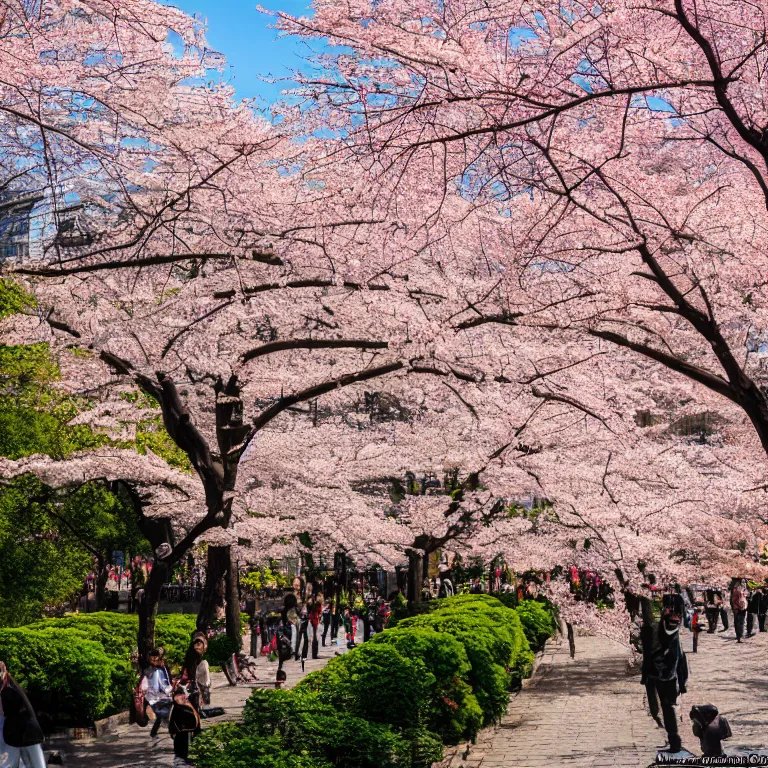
[[284, 648]]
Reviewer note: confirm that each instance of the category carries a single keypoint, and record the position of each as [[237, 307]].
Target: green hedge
[[496, 646], [435, 678], [78, 669], [69, 678], [538, 622], [453, 711]]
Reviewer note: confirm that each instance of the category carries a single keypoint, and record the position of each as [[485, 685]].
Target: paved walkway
[[132, 747], [590, 712]]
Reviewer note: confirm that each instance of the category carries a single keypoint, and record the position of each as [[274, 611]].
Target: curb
[[546, 649]]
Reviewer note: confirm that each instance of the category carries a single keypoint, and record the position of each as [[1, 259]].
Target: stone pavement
[[590, 711], [132, 747]]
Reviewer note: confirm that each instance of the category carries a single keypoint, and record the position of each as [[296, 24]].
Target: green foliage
[[346, 683], [38, 566], [34, 417], [306, 725], [69, 679], [538, 622], [220, 648], [13, 298], [48, 540], [494, 641], [453, 711], [232, 745], [78, 668], [151, 434]]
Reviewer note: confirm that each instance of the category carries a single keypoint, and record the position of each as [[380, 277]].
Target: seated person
[[156, 687]]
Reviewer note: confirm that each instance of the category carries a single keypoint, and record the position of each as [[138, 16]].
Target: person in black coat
[[665, 669], [763, 609], [22, 736], [753, 609]]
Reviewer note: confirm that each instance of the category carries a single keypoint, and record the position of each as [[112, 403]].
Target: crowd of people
[[665, 666]]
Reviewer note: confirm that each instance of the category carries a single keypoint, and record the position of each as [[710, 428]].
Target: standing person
[[739, 607], [290, 618], [763, 609], [712, 610], [21, 737], [753, 608], [696, 628], [156, 686], [665, 668], [314, 609], [327, 614], [184, 722], [722, 608]]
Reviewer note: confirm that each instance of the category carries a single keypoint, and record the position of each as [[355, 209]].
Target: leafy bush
[[69, 678], [297, 728], [402, 685], [78, 669], [453, 711], [220, 648], [493, 637], [538, 623]]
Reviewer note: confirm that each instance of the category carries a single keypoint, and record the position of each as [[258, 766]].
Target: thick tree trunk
[[415, 577], [214, 591], [233, 601], [148, 610]]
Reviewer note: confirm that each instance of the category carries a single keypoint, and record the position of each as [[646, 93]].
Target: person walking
[[696, 628], [739, 607], [664, 671], [21, 737], [753, 608], [290, 616]]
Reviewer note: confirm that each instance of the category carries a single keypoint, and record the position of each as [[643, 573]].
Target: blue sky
[[238, 30]]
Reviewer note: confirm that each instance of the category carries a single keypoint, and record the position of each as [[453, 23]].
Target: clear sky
[[238, 30]]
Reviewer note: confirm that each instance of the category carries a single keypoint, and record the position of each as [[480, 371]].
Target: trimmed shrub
[[493, 637], [69, 678], [453, 711], [297, 728], [538, 622], [402, 685], [78, 669]]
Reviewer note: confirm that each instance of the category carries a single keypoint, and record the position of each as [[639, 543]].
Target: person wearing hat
[[664, 671], [21, 737]]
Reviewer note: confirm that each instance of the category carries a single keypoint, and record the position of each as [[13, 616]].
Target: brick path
[[132, 747], [589, 712]]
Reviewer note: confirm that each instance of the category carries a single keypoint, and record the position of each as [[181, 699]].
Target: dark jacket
[[21, 728], [754, 603], [663, 657]]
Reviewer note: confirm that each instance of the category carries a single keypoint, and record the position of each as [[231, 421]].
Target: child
[[711, 728], [696, 628], [349, 628]]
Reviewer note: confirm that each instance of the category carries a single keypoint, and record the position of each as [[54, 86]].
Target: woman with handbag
[[21, 737], [184, 722]]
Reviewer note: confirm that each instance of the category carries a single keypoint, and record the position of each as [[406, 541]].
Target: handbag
[[139, 708], [184, 717]]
